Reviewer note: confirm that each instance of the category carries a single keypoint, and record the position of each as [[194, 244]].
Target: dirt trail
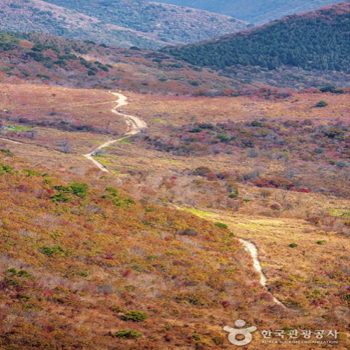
[[253, 250], [135, 126], [11, 141]]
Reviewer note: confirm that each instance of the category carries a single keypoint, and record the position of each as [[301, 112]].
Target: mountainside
[[72, 253], [148, 25], [173, 199], [46, 59], [99, 260], [33, 15], [316, 40], [254, 11], [165, 22]]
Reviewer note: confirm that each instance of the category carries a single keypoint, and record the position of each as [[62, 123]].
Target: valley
[[273, 218], [160, 189]]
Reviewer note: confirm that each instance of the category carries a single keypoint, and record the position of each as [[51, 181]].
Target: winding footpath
[[135, 126], [253, 250]]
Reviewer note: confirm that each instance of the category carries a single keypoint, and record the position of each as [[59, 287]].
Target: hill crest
[[124, 24]]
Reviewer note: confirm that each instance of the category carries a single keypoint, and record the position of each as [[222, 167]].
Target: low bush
[[51, 251], [221, 225], [189, 298], [188, 232], [13, 272], [135, 316], [79, 189], [321, 104], [128, 334], [7, 152], [6, 169]]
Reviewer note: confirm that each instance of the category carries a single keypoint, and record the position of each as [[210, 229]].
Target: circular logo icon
[[246, 333]]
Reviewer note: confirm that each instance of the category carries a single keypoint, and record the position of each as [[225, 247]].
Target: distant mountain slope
[[46, 59], [317, 40], [35, 15], [255, 11], [159, 23]]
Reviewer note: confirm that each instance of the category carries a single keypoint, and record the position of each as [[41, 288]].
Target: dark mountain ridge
[[314, 41]]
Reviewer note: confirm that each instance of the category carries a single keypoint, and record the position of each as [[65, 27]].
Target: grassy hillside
[[96, 260], [34, 15], [46, 59], [314, 41], [122, 25], [82, 266], [165, 22], [254, 11]]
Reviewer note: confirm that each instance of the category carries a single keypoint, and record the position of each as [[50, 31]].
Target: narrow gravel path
[[135, 126], [253, 250]]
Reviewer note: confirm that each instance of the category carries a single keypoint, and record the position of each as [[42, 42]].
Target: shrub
[[79, 189], [332, 89], [321, 242], [256, 123], [202, 171], [135, 316], [293, 245], [7, 152], [196, 337], [320, 104], [50, 251], [60, 197], [13, 272], [128, 334], [189, 232], [223, 138], [189, 298], [118, 200], [31, 172], [221, 225], [113, 191], [5, 169], [116, 308]]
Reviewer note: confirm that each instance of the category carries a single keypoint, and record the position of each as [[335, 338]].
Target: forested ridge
[[161, 22], [317, 40], [254, 11]]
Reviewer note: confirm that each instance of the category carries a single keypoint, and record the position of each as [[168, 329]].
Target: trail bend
[[135, 126]]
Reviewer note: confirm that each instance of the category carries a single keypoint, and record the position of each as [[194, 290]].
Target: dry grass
[[62, 107], [310, 278], [179, 110]]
